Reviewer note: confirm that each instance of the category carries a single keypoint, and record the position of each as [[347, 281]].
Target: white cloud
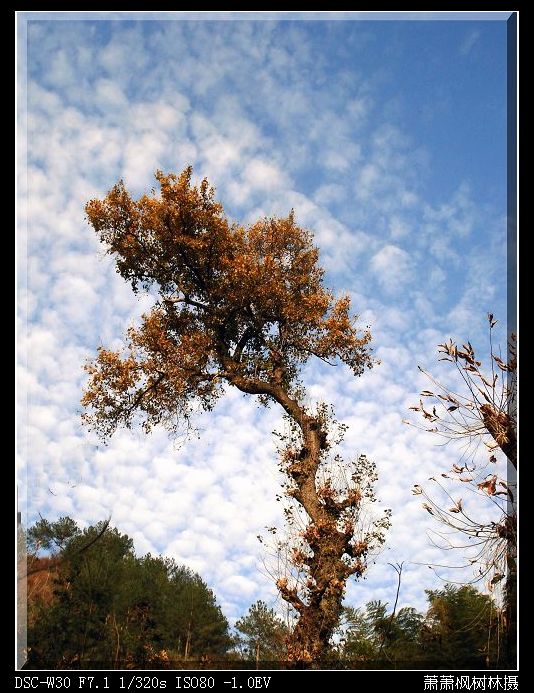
[[261, 175], [398, 228], [331, 192], [108, 95], [393, 267], [239, 586], [369, 175], [469, 42]]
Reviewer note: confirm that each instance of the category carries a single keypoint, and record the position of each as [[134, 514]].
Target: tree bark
[[328, 573], [500, 426]]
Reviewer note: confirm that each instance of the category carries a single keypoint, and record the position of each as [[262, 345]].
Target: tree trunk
[[500, 426], [117, 648], [187, 644], [307, 645], [328, 573], [510, 599]]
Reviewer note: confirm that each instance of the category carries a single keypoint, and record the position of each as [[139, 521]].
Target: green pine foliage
[[262, 634], [105, 607], [462, 629]]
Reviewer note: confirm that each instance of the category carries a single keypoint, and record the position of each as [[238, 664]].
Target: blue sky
[[388, 138]]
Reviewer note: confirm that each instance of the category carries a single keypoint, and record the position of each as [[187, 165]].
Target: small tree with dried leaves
[[239, 306], [483, 411]]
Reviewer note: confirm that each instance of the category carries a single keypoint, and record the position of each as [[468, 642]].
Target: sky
[[387, 138]]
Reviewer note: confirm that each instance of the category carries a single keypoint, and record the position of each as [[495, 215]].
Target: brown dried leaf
[[484, 394], [503, 366], [489, 485]]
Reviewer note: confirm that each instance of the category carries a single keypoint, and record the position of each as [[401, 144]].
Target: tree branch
[[188, 301], [58, 560]]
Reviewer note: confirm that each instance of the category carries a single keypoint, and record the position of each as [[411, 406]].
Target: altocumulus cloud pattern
[[387, 138]]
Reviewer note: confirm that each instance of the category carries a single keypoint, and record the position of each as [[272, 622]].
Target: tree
[[238, 306], [482, 407], [71, 627], [263, 634], [103, 606], [359, 645], [202, 628], [294, 550], [461, 629], [373, 638], [51, 535]]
